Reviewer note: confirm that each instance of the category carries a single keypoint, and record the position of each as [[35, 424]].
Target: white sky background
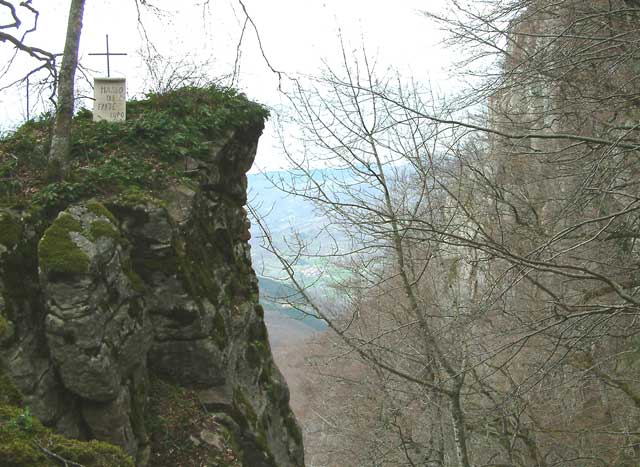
[[296, 35]]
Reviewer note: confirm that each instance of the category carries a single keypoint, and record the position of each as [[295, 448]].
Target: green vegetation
[[145, 152], [26, 443], [167, 126], [10, 230], [58, 253], [133, 197]]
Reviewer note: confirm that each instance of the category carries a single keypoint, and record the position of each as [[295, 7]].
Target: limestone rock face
[[115, 291], [96, 326]]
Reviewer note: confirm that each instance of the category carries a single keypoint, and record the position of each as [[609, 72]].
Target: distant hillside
[[285, 214], [272, 293]]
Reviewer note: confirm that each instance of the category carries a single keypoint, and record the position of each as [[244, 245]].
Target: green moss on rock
[[135, 197], [10, 230], [26, 443], [57, 253], [136, 281], [7, 330], [102, 228], [9, 394], [4, 326], [219, 333], [100, 210], [266, 379], [244, 408], [145, 265], [258, 353], [68, 223], [293, 428]]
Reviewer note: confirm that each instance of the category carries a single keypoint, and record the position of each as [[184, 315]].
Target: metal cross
[[108, 54]]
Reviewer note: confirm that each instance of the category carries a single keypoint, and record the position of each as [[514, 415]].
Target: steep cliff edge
[[128, 292]]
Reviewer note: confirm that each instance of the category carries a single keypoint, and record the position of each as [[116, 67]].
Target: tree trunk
[[459, 432], [59, 154]]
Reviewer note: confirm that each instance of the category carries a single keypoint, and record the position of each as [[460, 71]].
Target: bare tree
[[59, 153], [62, 83], [504, 242], [376, 187], [23, 20]]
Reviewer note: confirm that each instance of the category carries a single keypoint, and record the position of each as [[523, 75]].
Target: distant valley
[[282, 212]]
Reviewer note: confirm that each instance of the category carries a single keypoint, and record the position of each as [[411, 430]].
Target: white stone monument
[[110, 102], [110, 94]]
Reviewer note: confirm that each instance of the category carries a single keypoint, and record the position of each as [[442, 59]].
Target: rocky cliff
[[122, 304]]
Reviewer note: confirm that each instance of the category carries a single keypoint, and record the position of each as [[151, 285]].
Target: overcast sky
[[297, 37]]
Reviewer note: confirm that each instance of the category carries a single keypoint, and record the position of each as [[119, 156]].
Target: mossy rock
[[24, 442], [100, 210], [253, 440], [6, 329], [101, 228], [4, 326], [150, 263], [219, 332], [257, 354], [248, 417], [293, 428], [94, 453], [9, 394], [58, 254], [136, 281], [10, 230], [135, 197]]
